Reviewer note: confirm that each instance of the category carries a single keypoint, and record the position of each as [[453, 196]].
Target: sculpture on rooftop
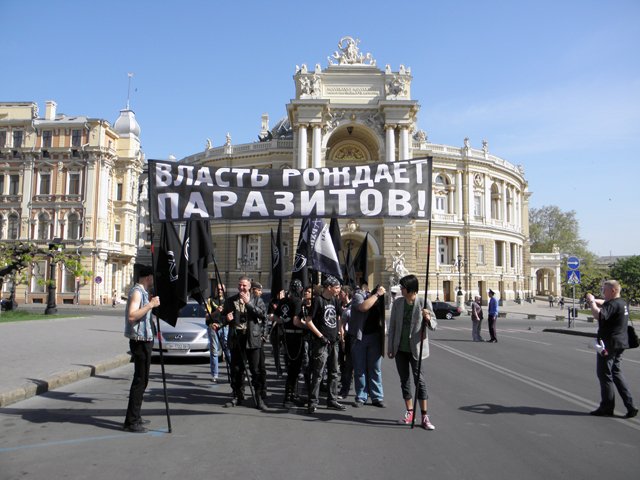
[[349, 53]]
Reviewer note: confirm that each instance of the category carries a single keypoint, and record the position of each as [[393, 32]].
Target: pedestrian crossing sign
[[573, 277]]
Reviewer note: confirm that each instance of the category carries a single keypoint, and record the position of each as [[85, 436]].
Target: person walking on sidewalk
[[613, 316], [476, 319], [493, 316], [140, 330]]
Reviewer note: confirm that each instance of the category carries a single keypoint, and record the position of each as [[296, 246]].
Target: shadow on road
[[494, 409]]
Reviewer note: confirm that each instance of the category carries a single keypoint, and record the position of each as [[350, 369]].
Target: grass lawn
[[23, 315]]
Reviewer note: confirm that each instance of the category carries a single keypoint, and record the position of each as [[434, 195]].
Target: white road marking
[[545, 387]]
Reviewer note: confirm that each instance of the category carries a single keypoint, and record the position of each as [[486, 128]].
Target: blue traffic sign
[[573, 263], [573, 277]]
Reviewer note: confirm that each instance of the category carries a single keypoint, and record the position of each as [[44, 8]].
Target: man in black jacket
[[613, 316], [246, 313]]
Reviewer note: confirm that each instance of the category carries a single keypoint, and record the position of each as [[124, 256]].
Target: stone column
[[459, 206], [487, 199], [504, 202], [302, 146], [391, 143], [403, 154], [316, 140]]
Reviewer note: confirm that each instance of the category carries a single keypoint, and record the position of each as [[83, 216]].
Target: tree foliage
[[592, 274], [627, 272], [550, 227], [16, 257]]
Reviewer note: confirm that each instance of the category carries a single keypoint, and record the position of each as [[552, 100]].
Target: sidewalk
[[579, 326], [41, 355]]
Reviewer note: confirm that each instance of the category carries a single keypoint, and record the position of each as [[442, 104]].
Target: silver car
[[188, 338]]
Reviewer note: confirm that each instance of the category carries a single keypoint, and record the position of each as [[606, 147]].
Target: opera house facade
[[353, 112]]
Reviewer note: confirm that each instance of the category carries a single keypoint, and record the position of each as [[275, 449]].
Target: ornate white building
[[352, 112]]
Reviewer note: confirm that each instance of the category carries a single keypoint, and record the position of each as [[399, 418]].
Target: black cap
[[256, 285], [330, 281], [491, 292]]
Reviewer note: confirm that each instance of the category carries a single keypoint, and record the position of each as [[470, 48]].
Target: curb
[[38, 387], [570, 332]]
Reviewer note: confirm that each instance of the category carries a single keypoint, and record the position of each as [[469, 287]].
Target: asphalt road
[[515, 409]]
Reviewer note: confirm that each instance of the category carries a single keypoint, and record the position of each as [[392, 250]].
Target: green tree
[[550, 227], [73, 264], [592, 275], [627, 272], [16, 257]]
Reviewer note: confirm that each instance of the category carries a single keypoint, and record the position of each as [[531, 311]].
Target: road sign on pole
[[573, 277], [573, 263]]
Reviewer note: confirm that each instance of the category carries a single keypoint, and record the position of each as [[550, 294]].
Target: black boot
[[260, 405], [286, 401]]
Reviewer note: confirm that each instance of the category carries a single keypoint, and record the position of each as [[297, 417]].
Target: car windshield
[[192, 310]]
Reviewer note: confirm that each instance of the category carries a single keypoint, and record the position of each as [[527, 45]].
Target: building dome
[[282, 129], [126, 124]]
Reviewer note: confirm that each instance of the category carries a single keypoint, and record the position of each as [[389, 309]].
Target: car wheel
[[449, 316]]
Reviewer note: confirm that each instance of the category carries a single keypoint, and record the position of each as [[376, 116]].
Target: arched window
[[441, 189], [73, 226], [43, 227], [12, 226]]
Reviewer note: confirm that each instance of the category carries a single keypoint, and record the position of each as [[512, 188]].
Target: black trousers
[[141, 355], [255, 359], [404, 362], [294, 350], [492, 327]]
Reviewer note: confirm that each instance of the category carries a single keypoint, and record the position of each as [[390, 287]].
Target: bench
[[590, 319], [531, 316], [560, 318], [502, 314]]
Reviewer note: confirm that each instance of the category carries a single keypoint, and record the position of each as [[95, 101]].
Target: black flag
[[336, 236], [196, 254], [322, 252], [299, 269], [349, 273], [277, 270], [360, 260], [167, 271]]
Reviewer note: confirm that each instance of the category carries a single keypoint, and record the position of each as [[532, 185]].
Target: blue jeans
[[366, 355], [214, 348]]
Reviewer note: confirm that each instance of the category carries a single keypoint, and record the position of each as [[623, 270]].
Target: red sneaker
[[407, 419]]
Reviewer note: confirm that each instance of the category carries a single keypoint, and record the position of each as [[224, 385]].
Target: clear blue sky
[[552, 85]]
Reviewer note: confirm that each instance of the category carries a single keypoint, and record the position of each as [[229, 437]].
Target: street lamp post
[[501, 301], [437, 286], [55, 245], [459, 263], [459, 295]]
